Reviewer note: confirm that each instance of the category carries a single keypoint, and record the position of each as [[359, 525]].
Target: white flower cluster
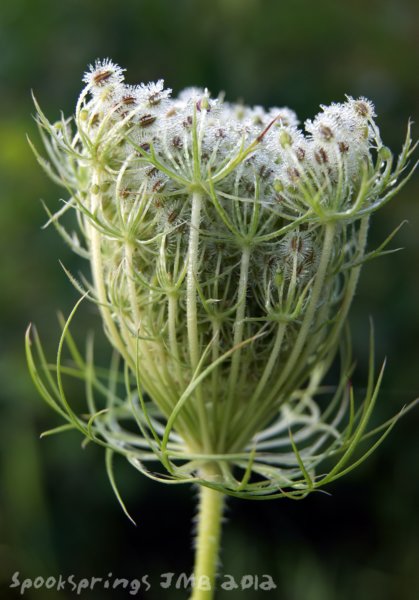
[[225, 245], [331, 151]]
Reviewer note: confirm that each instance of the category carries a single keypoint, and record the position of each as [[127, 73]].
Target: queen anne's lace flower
[[225, 245]]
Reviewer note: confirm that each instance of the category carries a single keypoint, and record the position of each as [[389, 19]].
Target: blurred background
[[58, 514]]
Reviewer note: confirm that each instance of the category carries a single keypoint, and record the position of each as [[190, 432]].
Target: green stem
[[191, 316], [94, 237], [238, 338], [191, 312], [207, 543]]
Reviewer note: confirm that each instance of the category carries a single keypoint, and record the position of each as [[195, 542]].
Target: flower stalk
[[207, 542]]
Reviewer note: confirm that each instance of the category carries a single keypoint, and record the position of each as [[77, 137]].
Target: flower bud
[[225, 246]]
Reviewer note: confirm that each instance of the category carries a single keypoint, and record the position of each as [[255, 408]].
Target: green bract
[[225, 247]]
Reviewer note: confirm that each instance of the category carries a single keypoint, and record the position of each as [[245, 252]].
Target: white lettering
[[145, 581], [169, 578], [15, 580], [246, 582], [268, 585], [60, 583], [204, 583], [135, 585], [83, 584], [229, 583], [94, 581], [50, 582], [38, 583], [187, 581]]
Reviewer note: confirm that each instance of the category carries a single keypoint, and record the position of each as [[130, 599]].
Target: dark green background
[[58, 513]]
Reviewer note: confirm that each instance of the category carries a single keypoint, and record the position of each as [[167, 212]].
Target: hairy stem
[[207, 543]]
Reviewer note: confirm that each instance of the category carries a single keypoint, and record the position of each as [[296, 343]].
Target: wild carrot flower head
[[225, 245]]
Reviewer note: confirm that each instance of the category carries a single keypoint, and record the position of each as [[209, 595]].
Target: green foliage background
[[57, 511]]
